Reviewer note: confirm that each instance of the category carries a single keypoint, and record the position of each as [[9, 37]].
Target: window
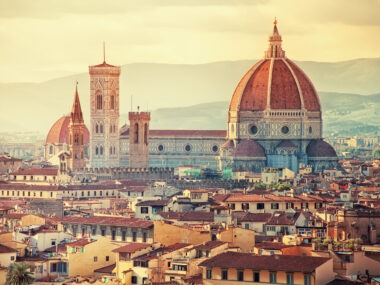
[[260, 206], [274, 206], [107, 258], [224, 274], [232, 206], [160, 147], [93, 232], [144, 210], [136, 133], [310, 130], [271, 228], [123, 235], [256, 276], [146, 134], [99, 102], [246, 226], [289, 278], [245, 206], [95, 259], [208, 273], [187, 147], [53, 242], [144, 237], [113, 235], [12, 257], [240, 275], [307, 279], [254, 130], [103, 233], [134, 236], [112, 102], [273, 277], [215, 148], [101, 150], [285, 130], [134, 280], [145, 280]]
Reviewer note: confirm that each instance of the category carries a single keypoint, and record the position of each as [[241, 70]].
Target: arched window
[[136, 133], [146, 133], [51, 149], [96, 150], [110, 149], [101, 150], [114, 150], [101, 128], [96, 128], [112, 102], [99, 101]]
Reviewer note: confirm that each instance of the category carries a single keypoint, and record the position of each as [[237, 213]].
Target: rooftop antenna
[[104, 52]]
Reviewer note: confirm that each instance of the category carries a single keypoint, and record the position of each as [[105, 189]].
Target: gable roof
[[275, 262]]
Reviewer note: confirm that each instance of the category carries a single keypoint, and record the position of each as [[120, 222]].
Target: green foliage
[[260, 186], [376, 153], [18, 274]]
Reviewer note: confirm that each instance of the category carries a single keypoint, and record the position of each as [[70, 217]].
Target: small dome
[[59, 132], [320, 148], [249, 148], [228, 144]]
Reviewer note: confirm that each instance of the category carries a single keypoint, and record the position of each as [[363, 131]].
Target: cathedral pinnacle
[[275, 50], [76, 111]]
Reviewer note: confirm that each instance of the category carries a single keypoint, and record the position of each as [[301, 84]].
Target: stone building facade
[[104, 115]]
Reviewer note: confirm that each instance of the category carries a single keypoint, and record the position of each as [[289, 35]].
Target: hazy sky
[[43, 39]]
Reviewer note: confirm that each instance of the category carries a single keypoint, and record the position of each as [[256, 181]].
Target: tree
[[18, 274]]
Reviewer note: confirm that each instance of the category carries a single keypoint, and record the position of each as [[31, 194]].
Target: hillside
[[169, 88]]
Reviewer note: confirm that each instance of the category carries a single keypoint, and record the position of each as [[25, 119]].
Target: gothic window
[[110, 149], [146, 133], [101, 150], [310, 130], [96, 128], [99, 102], [81, 139], [136, 133], [112, 102], [76, 139], [101, 128], [96, 150], [114, 150]]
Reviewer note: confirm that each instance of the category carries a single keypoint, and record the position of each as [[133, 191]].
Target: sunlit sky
[[44, 39]]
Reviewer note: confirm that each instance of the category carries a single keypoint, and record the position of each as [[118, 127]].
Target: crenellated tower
[[76, 159], [104, 114], [139, 139]]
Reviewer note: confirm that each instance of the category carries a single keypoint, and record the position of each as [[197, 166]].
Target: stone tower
[[76, 139], [104, 114], [139, 139]]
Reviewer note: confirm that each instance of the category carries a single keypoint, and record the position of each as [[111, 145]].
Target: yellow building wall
[[30, 220], [243, 238], [167, 234], [82, 263]]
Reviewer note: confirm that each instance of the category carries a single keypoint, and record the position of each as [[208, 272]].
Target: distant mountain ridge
[[168, 88]]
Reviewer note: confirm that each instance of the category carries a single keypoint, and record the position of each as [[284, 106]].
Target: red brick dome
[[59, 132], [275, 83], [320, 148], [249, 148]]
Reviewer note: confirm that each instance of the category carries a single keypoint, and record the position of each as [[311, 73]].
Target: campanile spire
[[275, 50]]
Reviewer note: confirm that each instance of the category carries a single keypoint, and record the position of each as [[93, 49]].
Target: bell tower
[[76, 129], [139, 139], [104, 115]]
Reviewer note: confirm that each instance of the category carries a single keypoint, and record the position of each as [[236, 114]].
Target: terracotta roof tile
[[132, 247], [275, 262], [105, 220]]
